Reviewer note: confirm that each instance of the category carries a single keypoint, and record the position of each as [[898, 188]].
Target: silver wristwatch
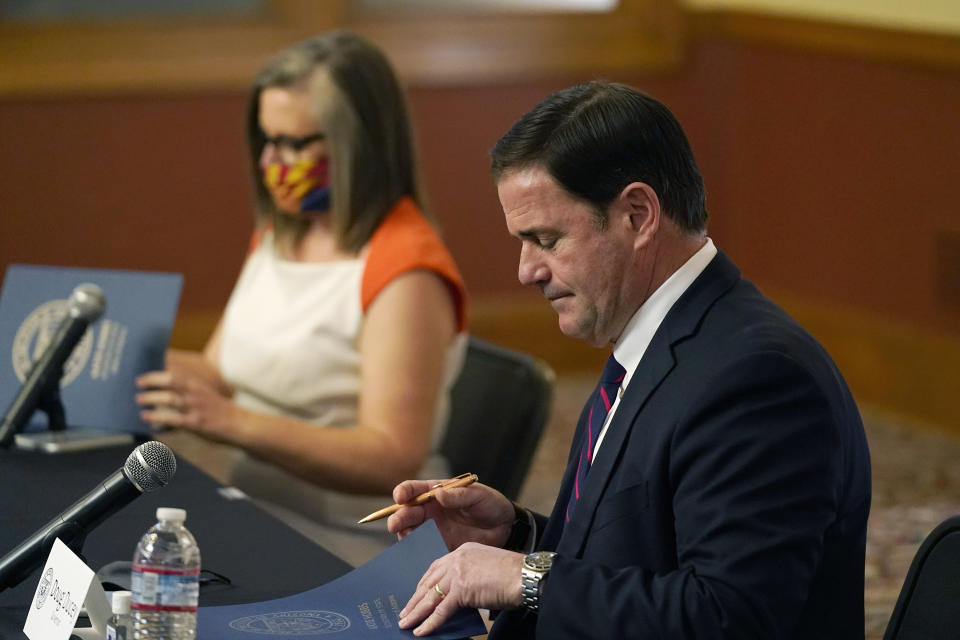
[[535, 568]]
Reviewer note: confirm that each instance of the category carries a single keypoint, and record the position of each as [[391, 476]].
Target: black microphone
[[148, 467], [85, 305]]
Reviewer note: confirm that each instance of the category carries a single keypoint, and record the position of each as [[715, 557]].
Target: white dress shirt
[[639, 331]]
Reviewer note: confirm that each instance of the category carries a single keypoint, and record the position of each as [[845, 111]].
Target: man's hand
[[474, 575], [476, 513]]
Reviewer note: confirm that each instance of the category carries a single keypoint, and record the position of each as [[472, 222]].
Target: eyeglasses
[[291, 143]]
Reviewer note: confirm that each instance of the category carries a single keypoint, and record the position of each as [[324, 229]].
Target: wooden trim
[[451, 48], [895, 366], [426, 47], [859, 41], [889, 366], [193, 327], [149, 56], [438, 47]]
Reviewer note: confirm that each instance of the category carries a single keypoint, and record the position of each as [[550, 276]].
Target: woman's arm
[[407, 330]]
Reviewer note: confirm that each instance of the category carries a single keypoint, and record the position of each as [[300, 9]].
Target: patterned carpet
[[916, 485]]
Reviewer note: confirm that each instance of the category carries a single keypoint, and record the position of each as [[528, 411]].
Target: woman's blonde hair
[[360, 108]]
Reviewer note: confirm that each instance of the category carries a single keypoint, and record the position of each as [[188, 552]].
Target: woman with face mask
[[331, 366]]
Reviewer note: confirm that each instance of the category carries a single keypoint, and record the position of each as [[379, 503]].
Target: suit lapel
[[680, 323]]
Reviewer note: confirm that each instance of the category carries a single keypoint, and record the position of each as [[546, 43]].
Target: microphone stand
[[49, 402], [52, 404], [57, 438]]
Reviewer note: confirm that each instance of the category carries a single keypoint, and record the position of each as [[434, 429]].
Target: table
[[262, 557]]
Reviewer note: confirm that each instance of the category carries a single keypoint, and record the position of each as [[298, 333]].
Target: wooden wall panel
[[428, 47]]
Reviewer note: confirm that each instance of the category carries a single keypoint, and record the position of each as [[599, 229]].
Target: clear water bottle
[[165, 580]]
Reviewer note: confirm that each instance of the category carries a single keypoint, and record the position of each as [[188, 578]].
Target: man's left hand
[[474, 575]]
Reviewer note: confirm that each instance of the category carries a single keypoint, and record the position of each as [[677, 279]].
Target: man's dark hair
[[596, 138]]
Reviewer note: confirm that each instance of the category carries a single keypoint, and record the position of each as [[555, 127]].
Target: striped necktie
[[600, 403]]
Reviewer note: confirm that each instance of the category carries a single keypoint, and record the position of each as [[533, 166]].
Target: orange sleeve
[[256, 238], [405, 241]]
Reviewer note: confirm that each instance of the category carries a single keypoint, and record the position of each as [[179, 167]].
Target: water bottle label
[[162, 589]]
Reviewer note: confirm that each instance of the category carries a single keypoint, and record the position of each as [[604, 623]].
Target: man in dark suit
[[718, 484]]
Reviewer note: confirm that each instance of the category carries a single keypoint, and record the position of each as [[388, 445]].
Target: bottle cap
[[120, 604], [169, 514]]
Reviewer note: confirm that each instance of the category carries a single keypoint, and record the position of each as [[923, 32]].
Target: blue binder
[[130, 338], [362, 604]]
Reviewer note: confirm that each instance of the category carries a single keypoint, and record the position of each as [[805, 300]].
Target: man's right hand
[[476, 513]]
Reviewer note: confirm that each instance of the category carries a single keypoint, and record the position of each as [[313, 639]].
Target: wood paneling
[[148, 56], [426, 47], [822, 36], [444, 48], [901, 367]]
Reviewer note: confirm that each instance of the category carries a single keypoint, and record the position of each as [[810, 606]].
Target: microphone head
[[150, 466], [87, 301]]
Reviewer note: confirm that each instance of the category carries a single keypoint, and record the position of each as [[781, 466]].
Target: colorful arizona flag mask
[[304, 186]]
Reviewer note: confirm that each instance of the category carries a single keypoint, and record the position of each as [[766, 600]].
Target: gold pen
[[462, 480]]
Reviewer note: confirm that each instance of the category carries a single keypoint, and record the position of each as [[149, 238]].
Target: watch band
[[535, 568], [520, 530]]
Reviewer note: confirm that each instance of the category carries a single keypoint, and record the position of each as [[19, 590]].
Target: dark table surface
[[262, 557]]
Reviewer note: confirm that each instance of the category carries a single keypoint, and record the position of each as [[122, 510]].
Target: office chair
[[499, 406], [929, 604]]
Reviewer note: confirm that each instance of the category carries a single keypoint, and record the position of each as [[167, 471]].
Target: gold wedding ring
[[437, 588]]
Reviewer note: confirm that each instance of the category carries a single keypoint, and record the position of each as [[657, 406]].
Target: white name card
[[66, 585]]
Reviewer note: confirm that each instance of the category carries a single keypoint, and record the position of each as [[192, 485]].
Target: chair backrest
[[929, 604], [498, 409]]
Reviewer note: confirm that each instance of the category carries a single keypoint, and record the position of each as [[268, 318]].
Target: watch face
[[535, 567], [539, 561]]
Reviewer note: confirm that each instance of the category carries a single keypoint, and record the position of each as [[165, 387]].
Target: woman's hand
[[181, 400]]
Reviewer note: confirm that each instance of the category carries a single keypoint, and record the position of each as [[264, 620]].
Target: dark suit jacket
[[730, 496]]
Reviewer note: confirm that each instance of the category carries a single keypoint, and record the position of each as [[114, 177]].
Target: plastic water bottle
[[165, 580]]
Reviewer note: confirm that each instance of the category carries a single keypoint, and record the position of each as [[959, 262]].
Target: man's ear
[[641, 209]]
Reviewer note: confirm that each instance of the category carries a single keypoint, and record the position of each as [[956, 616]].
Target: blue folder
[[362, 604], [130, 338]]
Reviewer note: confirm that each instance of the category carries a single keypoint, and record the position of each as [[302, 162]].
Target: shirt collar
[[639, 331]]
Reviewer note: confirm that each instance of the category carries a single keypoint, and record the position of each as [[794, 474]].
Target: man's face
[[583, 271]]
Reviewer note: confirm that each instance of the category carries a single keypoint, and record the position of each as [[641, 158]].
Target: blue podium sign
[[97, 387], [365, 603]]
